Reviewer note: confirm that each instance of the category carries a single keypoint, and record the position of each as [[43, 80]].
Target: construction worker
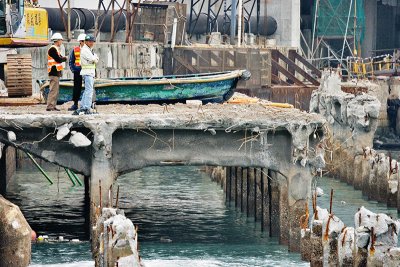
[[54, 68], [75, 66], [88, 65]]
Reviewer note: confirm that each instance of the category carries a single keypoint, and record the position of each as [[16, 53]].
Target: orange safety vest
[[51, 62], [77, 54]]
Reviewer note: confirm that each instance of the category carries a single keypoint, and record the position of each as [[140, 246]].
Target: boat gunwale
[[162, 80]]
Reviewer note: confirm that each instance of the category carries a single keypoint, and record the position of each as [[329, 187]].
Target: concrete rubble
[[353, 121], [15, 236], [372, 242], [117, 242]]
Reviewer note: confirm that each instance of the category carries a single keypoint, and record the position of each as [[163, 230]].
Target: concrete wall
[[369, 42], [116, 60], [287, 14]]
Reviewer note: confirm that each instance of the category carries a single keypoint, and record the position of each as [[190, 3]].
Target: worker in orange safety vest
[[75, 66], [54, 68]]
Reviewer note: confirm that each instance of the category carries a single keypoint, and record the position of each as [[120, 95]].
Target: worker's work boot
[[73, 107]]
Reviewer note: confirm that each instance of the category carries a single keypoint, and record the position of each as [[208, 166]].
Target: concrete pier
[[126, 138], [7, 166]]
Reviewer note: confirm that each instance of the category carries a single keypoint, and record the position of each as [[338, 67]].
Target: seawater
[[182, 217]]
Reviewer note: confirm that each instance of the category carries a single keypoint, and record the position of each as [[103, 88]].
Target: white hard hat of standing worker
[[81, 37], [57, 36]]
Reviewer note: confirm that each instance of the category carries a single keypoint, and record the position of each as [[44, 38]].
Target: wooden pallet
[[19, 75]]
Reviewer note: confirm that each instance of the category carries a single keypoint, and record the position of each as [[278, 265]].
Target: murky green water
[[181, 214]]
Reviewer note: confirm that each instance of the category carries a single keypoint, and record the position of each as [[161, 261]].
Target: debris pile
[[372, 242], [118, 240]]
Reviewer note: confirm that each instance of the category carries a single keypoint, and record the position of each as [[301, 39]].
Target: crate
[[19, 75]]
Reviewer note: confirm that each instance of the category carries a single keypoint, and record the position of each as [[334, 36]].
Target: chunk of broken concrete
[[11, 136], [63, 130], [15, 233], [79, 140]]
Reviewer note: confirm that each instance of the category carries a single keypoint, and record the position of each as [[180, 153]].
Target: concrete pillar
[[305, 245], [366, 170], [359, 161], [398, 188], [369, 42], [233, 185], [251, 192], [296, 202], [7, 166], [228, 186], [258, 197], [102, 176], [372, 182], [333, 259], [382, 173], [244, 207], [284, 219], [346, 247], [266, 198], [222, 177], [239, 187], [275, 228], [87, 207], [350, 169], [392, 191], [317, 256]]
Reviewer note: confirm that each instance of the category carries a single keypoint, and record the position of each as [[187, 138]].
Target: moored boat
[[207, 87]]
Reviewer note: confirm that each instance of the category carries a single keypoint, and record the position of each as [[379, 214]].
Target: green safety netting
[[333, 16]]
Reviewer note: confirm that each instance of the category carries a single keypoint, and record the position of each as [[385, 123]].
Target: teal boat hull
[[209, 87]]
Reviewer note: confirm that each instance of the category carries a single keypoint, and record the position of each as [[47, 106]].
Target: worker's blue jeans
[[87, 96]]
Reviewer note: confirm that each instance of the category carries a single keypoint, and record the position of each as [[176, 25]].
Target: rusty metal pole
[[62, 15], [69, 20], [128, 21], [112, 20], [96, 22]]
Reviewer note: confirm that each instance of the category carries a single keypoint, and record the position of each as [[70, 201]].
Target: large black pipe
[[267, 27], [82, 18]]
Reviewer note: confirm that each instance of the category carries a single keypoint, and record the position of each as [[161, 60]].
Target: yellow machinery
[[22, 25]]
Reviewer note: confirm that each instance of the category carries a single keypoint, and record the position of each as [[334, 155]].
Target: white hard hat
[[57, 36], [81, 37]]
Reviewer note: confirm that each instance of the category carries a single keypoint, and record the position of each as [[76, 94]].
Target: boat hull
[[216, 88]]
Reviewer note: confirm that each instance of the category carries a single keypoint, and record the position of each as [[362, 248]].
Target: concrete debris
[[345, 246], [356, 113], [373, 241], [118, 241], [79, 140], [63, 130], [11, 136], [15, 232]]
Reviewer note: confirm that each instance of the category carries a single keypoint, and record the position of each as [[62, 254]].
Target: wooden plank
[[307, 64], [275, 79], [274, 56], [286, 72], [293, 66], [186, 64]]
